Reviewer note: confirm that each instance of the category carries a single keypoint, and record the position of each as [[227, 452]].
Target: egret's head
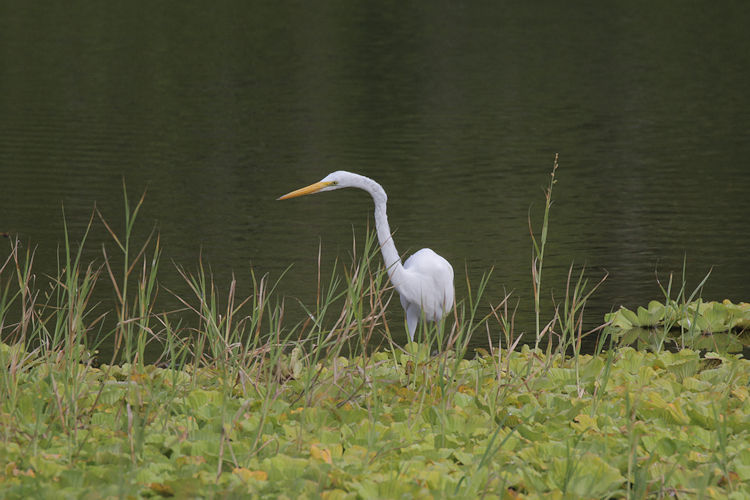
[[335, 180]]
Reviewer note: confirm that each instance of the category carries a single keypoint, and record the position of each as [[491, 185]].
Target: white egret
[[424, 282]]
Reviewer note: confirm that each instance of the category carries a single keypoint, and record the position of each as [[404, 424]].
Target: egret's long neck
[[387, 246]]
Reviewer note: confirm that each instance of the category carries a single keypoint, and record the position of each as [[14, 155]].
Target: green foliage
[[141, 434], [721, 326]]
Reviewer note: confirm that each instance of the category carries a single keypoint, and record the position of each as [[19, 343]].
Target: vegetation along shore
[[238, 403]]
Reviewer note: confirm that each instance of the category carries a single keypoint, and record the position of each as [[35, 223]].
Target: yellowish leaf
[[12, 470], [334, 494], [322, 454], [247, 474], [138, 377], [190, 460], [9, 468], [466, 390], [740, 393], [584, 422], [162, 489]]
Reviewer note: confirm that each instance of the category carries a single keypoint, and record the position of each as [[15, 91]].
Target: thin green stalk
[[125, 330], [537, 261]]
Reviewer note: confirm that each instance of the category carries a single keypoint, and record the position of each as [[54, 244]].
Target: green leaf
[[650, 317]]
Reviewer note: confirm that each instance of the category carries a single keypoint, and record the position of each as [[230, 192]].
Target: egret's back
[[429, 284]]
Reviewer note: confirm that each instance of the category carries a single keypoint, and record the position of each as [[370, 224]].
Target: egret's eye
[[334, 183]]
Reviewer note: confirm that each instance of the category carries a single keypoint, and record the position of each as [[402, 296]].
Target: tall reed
[[537, 260], [134, 314]]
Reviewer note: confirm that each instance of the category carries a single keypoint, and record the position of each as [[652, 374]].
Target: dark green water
[[456, 110]]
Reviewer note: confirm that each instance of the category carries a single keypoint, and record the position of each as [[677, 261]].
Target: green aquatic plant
[[682, 321], [698, 324], [665, 422]]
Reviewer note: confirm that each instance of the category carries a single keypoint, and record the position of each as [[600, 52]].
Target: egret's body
[[424, 282]]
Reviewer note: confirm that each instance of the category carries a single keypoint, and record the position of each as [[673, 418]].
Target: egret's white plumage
[[425, 281]]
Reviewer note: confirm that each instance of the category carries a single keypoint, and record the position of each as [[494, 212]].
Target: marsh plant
[[225, 396]]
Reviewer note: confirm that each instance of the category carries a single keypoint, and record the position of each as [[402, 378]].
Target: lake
[[456, 109]]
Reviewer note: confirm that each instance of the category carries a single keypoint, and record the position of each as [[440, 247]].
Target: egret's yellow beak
[[312, 188]]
